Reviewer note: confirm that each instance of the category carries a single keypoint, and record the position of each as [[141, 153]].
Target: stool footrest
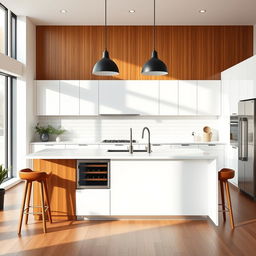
[[34, 213]]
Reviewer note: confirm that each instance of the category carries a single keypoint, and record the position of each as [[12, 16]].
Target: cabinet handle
[[185, 145], [82, 145], [211, 145]]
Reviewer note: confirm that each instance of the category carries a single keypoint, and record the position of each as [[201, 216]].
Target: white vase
[[58, 139]]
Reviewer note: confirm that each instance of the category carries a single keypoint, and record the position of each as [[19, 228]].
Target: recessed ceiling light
[[131, 11], [63, 11], [202, 11]]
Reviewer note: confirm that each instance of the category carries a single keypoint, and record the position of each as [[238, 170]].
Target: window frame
[[13, 52], [6, 28], [9, 83]]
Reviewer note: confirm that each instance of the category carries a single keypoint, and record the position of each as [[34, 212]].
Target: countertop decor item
[[207, 134], [154, 66], [3, 175], [44, 132], [58, 132], [105, 66]]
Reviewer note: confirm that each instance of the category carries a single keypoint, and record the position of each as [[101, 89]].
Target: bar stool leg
[[43, 208], [23, 206], [222, 200], [48, 202], [28, 201], [229, 205]]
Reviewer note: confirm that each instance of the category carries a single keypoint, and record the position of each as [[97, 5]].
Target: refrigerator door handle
[[243, 140], [240, 139]]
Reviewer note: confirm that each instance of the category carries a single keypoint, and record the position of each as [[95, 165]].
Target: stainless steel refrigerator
[[247, 146]]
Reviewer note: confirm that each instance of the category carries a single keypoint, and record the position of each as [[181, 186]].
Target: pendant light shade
[[154, 66], [105, 66]]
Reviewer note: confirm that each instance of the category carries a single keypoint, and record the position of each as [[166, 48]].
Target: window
[[6, 121], [3, 29], [13, 35]]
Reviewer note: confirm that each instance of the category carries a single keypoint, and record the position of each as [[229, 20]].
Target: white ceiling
[[169, 12]]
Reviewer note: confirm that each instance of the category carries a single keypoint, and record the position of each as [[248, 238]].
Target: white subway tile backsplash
[[163, 129]]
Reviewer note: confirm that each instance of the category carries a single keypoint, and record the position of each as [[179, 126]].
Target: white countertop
[[137, 143], [181, 154]]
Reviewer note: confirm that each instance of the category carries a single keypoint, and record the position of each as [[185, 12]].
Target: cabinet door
[[37, 147], [168, 97], [69, 97], [232, 162], [158, 188], [91, 202], [47, 94], [137, 190], [209, 98], [234, 85], [128, 97], [187, 97], [88, 97]]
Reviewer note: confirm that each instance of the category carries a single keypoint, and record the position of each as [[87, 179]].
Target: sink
[[126, 150]]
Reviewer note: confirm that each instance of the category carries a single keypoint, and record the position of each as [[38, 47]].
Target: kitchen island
[[157, 185]]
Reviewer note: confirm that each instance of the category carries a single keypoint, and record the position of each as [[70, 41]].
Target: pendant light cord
[[154, 29], [106, 41]]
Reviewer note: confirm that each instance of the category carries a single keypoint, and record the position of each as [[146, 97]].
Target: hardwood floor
[[129, 237]]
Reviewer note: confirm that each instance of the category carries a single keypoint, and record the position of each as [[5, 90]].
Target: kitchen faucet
[[148, 148], [131, 146]]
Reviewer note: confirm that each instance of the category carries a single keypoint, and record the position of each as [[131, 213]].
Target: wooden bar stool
[[224, 175], [30, 176]]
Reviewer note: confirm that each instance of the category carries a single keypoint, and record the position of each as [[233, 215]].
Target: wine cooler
[[93, 174]]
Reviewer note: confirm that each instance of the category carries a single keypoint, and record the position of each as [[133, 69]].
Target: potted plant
[[44, 132], [3, 175], [58, 132]]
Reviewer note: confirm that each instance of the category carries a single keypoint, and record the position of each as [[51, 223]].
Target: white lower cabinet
[[39, 147], [80, 146], [232, 162], [91, 202], [158, 188]]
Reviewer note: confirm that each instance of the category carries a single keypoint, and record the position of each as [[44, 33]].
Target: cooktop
[[118, 141]]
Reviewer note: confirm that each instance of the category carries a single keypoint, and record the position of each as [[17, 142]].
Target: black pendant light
[[154, 66], [105, 66]]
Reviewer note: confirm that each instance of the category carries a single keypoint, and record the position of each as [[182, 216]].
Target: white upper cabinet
[[69, 97], [240, 81], [187, 97], [129, 97], [89, 97], [48, 97], [208, 97], [168, 97]]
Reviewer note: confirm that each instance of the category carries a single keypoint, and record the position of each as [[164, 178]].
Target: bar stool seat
[[31, 176], [224, 175]]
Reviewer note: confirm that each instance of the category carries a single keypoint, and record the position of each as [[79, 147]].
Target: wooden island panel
[[61, 187]]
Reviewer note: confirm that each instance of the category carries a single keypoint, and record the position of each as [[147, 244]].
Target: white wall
[[24, 115], [163, 129], [10, 66]]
